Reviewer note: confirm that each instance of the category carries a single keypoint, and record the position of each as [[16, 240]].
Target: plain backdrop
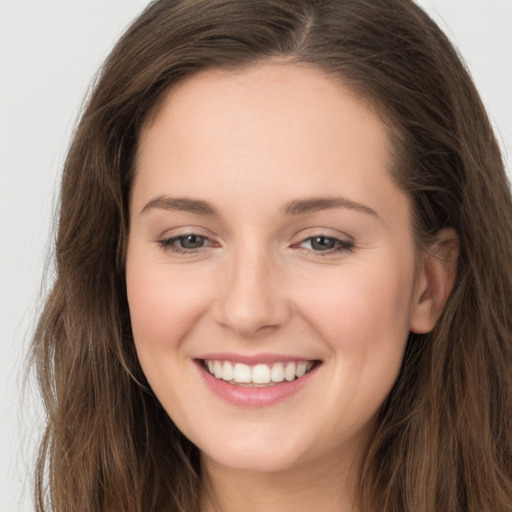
[[49, 53]]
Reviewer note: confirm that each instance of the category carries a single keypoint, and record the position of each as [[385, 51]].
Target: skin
[[249, 143]]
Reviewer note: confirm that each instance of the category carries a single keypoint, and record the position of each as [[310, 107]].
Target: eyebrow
[[181, 204], [295, 207], [315, 204]]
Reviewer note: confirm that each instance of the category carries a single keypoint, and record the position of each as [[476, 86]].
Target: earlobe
[[435, 280]]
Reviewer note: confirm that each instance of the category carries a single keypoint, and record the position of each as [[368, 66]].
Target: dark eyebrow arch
[[315, 204], [181, 204]]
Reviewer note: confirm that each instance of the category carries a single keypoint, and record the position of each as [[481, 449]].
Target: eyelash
[[170, 244], [339, 245]]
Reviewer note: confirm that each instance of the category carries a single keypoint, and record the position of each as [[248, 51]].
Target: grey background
[[49, 53]]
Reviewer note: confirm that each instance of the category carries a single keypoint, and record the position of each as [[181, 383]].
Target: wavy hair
[[444, 436]]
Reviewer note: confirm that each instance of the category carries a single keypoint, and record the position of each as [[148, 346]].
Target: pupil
[[322, 243], [192, 241]]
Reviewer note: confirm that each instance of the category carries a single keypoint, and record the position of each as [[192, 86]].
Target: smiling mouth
[[259, 375]]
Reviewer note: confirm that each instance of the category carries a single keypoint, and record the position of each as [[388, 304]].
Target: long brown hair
[[444, 436]]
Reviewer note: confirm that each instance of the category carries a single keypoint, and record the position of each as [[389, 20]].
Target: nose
[[252, 299]]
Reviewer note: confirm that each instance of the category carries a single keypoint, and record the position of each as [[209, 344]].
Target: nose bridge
[[252, 298]]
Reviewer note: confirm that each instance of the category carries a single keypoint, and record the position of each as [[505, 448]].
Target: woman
[[282, 271]]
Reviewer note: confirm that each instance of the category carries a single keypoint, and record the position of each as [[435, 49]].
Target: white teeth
[[228, 372], [301, 369], [289, 371], [242, 373], [277, 372], [217, 368], [259, 373]]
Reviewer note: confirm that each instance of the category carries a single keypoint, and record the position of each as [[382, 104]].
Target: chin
[[254, 461], [270, 453]]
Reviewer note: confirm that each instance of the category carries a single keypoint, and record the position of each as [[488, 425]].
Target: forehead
[[278, 129], [274, 89]]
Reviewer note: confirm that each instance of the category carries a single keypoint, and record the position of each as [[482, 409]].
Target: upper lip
[[253, 359]]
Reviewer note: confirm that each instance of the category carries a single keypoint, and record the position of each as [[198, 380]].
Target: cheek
[[365, 301], [164, 304], [165, 307], [363, 316], [366, 323]]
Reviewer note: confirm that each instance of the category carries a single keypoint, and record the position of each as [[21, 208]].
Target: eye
[[186, 244], [191, 241], [326, 244]]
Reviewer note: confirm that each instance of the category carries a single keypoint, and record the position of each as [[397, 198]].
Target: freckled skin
[[247, 143]]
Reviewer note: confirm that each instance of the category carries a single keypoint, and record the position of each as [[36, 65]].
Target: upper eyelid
[[307, 233], [184, 235], [183, 231]]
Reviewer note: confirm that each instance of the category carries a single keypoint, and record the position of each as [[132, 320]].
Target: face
[[270, 266]]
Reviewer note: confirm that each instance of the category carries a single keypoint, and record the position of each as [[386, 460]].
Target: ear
[[434, 280]]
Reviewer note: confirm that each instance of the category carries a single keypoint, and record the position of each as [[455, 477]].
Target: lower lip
[[244, 396]]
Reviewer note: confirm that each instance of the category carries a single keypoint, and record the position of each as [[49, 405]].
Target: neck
[[306, 487]]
